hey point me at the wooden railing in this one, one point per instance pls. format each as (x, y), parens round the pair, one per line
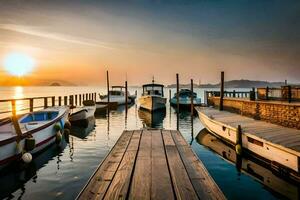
(43, 102)
(285, 93)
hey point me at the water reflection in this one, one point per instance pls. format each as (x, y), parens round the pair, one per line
(17, 175)
(152, 119)
(18, 94)
(250, 166)
(83, 131)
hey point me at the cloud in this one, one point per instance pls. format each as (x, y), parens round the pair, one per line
(29, 30)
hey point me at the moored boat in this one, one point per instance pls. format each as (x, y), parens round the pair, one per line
(257, 138)
(250, 166)
(185, 98)
(37, 130)
(152, 97)
(117, 94)
(82, 114)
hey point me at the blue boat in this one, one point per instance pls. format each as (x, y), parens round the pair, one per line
(185, 98)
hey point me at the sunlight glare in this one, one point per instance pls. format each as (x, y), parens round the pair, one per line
(18, 64)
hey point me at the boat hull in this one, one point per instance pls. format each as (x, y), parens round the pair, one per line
(83, 114)
(121, 100)
(279, 158)
(152, 103)
(44, 136)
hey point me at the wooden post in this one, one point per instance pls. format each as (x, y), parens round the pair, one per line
(59, 100)
(192, 97)
(80, 99)
(177, 91)
(239, 142)
(53, 101)
(289, 94)
(71, 100)
(126, 96)
(15, 121)
(65, 100)
(76, 100)
(95, 97)
(222, 91)
(86, 96)
(233, 94)
(107, 82)
(170, 95)
(267, 93)
(90, 96)
(45, 102)
(31, 105)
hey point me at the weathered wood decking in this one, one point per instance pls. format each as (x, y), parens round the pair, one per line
(151, 164)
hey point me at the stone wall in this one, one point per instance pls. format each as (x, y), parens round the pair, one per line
(280, 113)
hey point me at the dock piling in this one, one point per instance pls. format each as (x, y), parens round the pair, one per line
(107, 82)
(192, 97)
(126, 97)
(31, 105)
(222, 91)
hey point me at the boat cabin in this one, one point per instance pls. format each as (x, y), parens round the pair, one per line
(153, 89)
(117, 91)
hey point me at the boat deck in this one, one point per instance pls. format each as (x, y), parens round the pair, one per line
(151, 164)
(285, 137)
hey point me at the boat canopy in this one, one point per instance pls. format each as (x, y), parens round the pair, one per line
(153, 89)
(186, 93)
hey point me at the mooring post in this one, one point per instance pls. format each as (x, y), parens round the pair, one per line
(86, 96)
(31, 105)
(45, 102)
(80, 99)
(289, 94)
(222, 91)
(267, 93)
(239, 142)
(53, 100)
(65, 100)
(76, 99)
(170, 94)
(177, 91)
(192, 97)
(107, 82)
(59, 100)
(95, 96)
(15, 121)
(126, 97)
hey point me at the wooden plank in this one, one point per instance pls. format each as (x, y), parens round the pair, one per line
(101, 179)
(204, 185)
(161, 184)
(141, 181)
(181, 183)
(119, 186)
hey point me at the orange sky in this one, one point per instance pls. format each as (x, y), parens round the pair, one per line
(79, 41)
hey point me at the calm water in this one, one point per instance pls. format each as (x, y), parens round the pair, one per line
(61, 171)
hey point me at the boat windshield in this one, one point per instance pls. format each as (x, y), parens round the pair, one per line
(39, 116)
(186, 93)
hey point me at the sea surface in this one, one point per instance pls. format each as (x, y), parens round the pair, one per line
(60, 172)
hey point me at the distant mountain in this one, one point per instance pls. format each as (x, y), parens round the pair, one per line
(29, 81)
(235, 84)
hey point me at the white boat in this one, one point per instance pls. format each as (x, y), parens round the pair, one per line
(259, 171)
(281, 154)
(39, 126)
(117, 94)
(185, 99)
(83, 113)
(152, 97)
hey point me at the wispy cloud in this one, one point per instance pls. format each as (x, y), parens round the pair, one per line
(34, 31)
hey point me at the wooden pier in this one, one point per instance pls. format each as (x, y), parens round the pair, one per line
(151, 164)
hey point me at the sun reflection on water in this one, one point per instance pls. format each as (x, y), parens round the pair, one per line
(18, 94)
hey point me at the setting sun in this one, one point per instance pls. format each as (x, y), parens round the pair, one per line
(18, 64)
